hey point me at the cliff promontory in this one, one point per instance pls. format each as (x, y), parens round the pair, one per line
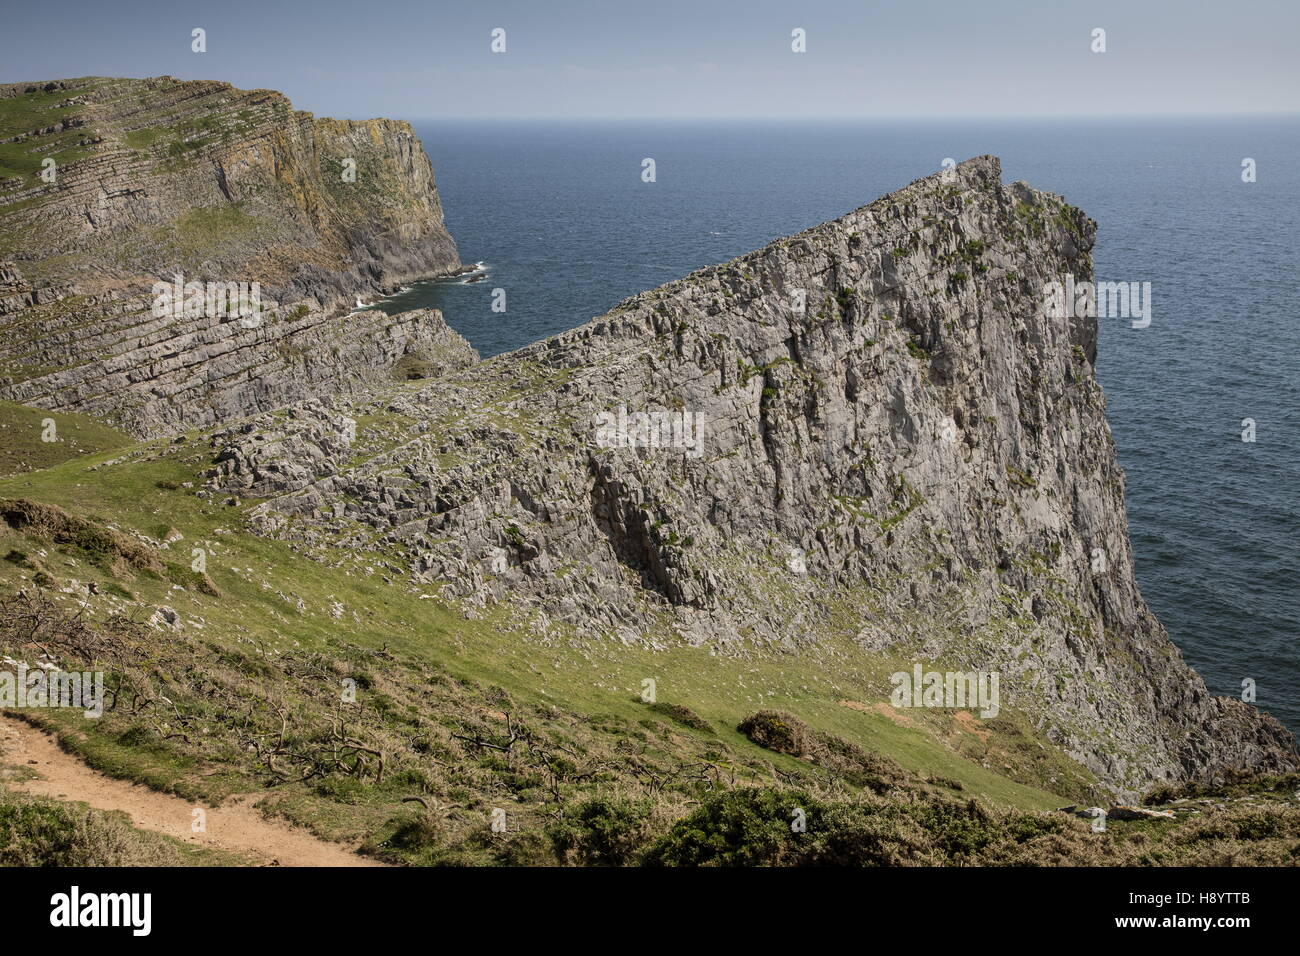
(112, 188)
(868, 430)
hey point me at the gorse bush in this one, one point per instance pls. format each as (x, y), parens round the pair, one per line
(787, 734)
(768, 827)
(1233, 783)
(749, 827)
(603, 831)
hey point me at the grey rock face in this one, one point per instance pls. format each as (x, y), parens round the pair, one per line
(219, 185)
(219, 372)
(895, 444)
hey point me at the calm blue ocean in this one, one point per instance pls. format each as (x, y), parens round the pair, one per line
(560, 216)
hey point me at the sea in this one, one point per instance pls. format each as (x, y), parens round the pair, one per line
(1207, 210)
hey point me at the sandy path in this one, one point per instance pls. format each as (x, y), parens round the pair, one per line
(237, 826)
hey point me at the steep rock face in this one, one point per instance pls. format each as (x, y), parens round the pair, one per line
(897, 444)
(157, 178)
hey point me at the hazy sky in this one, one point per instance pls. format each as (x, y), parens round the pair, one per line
(687, 58)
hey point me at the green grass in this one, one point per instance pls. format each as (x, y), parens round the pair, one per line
(204, 231)
(144, 138)
(77, 436)
(601, 680)
(20, 115)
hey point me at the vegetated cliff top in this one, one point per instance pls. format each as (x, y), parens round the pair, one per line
(108, 186)
(209, 160)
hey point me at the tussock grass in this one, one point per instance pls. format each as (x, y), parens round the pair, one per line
(36, 831)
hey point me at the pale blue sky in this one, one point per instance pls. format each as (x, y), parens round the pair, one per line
(689, 58)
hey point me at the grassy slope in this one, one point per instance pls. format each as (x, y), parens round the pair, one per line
(22, 447)
(600, 680)
(20, 115)
(583, 695)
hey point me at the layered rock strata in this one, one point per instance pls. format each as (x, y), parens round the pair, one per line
(868, 430)
(109, 187)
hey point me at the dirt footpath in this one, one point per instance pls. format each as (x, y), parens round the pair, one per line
(236, 827)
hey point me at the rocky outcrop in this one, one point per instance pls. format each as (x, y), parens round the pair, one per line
(878, 434)
(217, 373)
(154, 179)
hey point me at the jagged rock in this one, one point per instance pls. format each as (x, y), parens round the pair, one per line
(165, 616)
(933, 449)
(1086, 813)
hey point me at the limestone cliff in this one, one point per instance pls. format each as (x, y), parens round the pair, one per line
(895, 444)
(108, 186)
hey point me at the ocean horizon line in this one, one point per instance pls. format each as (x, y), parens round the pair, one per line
(853, 120)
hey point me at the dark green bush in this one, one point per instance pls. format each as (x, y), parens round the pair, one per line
(682, 715)
(602, 831)
(750, 827)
